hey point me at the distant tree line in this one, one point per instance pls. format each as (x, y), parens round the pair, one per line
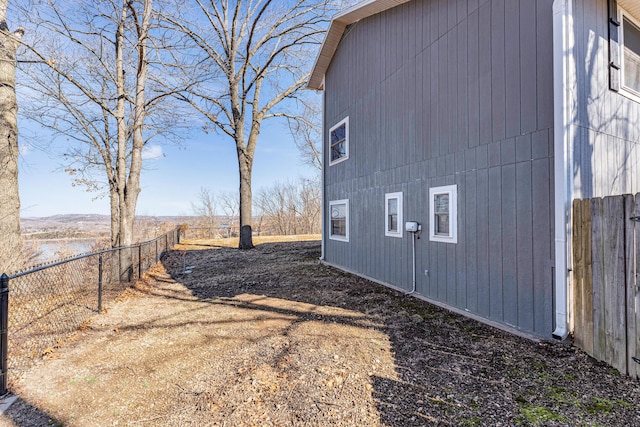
(287, 208)
(290, 208)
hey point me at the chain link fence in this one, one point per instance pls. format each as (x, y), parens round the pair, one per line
(210, 232)
(222, 232)
(47, 303)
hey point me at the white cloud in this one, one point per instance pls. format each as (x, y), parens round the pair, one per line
(152, 152)
(24, 148)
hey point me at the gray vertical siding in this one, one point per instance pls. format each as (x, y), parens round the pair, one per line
(451, 92)
(606, 126)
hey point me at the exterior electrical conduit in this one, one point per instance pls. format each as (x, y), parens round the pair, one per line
(414, 228)
(413, 248)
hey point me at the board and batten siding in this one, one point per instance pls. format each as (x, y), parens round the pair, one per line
(443, 92)
(606, 125)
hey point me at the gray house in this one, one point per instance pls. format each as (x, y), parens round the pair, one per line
(479, 120)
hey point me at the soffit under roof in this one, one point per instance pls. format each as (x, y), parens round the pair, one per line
(631, 6)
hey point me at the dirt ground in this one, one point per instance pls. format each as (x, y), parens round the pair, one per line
(270, 337)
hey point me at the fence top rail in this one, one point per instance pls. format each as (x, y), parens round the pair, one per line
(88, 254)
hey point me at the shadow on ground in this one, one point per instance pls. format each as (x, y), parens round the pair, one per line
(22, 413)
(449, 370)
(285, 340)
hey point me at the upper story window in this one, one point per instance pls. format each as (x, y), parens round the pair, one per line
(631, 54)
(624, 49)
(393, 214)
(339, 140)
(443, 214)
(339, 220)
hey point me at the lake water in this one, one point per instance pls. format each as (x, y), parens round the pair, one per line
(51, 250)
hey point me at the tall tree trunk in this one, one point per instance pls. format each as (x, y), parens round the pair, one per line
(124, 228)
(245, 163)
(121, 160)
(115, 223)
(133, 182)
(10, 241)
(245, 166)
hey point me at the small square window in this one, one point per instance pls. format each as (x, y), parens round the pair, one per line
(339, 220)
(393, 214)
(339, 140)
(443, 223)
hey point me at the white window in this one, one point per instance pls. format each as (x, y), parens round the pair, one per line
(339, 217)
(630, 54)
(339, 140)
(393, 214)
(443, 214)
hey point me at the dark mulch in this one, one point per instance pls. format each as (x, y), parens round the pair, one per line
(323, 347)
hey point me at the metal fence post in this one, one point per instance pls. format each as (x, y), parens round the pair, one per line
(100, 283)
(156, 250)
(119, 265)
(139, 261)
(4, 322)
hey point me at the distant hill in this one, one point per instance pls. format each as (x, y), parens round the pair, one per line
(77, 222)
(83, 225)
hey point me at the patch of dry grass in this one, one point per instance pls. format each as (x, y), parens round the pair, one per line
(232, 242)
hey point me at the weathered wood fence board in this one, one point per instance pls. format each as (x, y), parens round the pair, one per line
(632, 209)
(582, 275)
(605, 290)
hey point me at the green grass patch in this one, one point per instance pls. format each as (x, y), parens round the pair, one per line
(561, 395)
(606, 406)
(625, 404)
(471, 422)
(600, 406)
(539, 415)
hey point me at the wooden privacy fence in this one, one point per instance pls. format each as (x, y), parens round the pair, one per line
(606, 301)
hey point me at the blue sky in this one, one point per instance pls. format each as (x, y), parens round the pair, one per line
(172, 177)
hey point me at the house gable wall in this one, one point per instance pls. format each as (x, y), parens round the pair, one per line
(459, 93)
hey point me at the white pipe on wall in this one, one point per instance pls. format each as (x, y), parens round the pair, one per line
(413, 247)
(563, 76)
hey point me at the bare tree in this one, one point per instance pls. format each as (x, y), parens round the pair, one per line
(89, 77)
(310, 199)
(10, 241)
(277, 206)
(205, 209)
(306, 129)
(231, 209)
(253, 57)
(291, 208)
